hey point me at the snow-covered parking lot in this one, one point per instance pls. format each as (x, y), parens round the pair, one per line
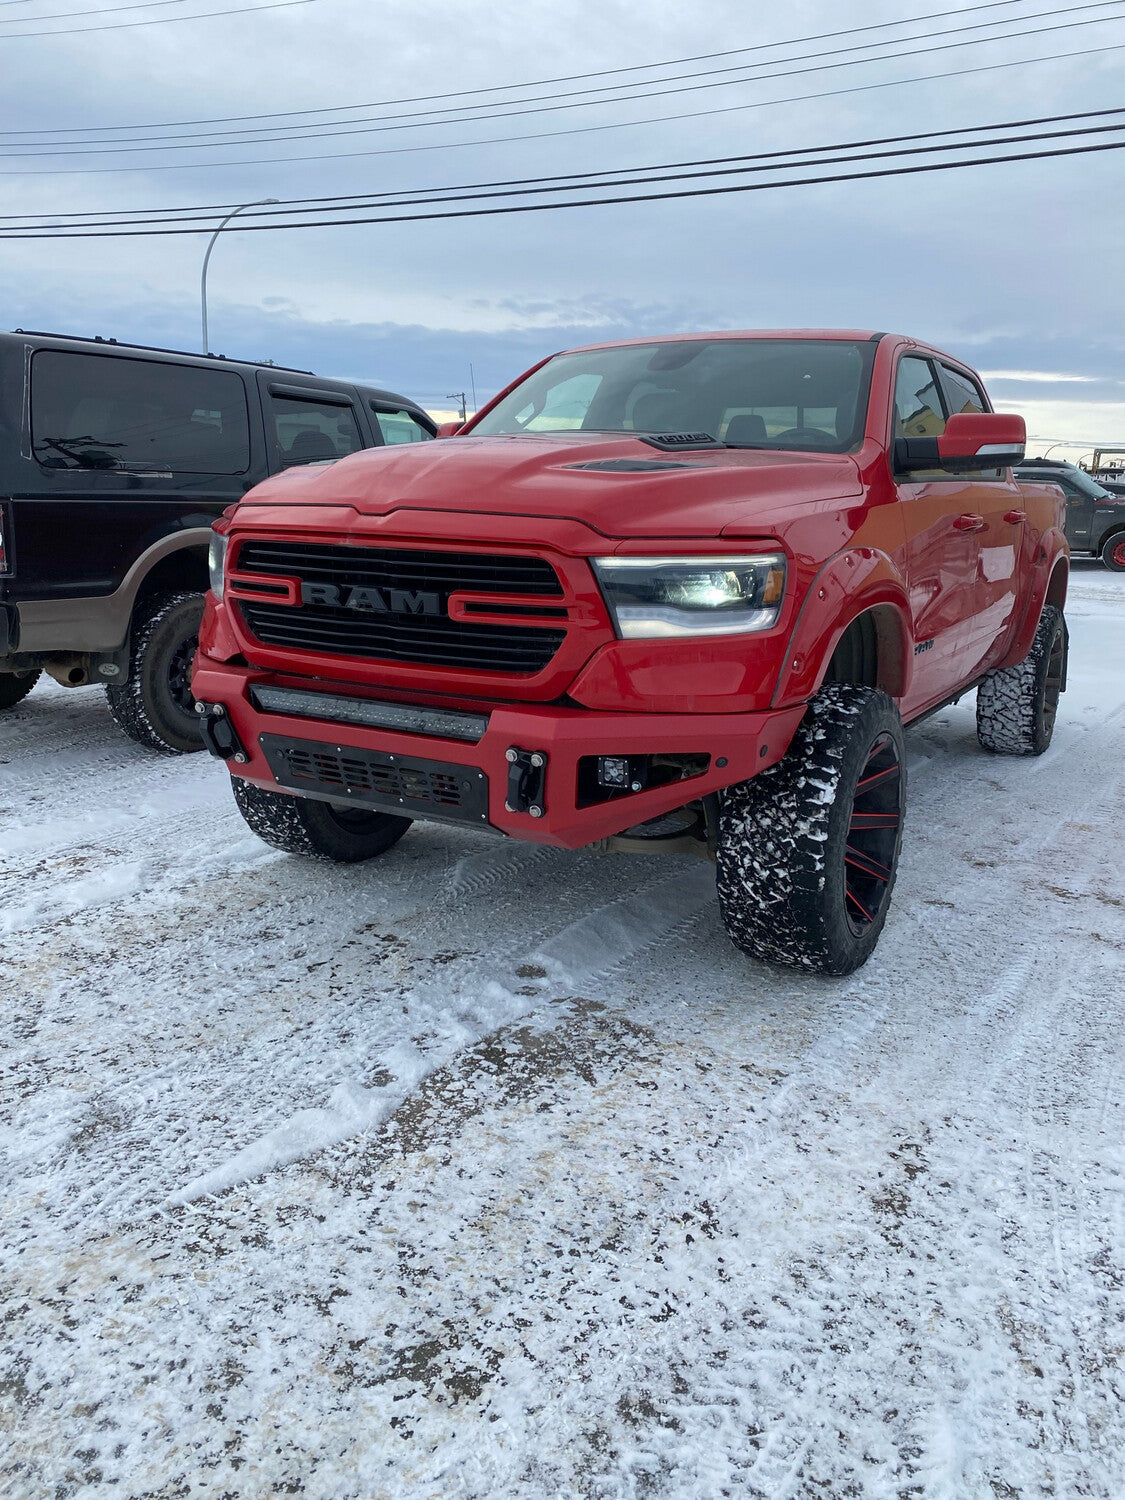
(490, 1171)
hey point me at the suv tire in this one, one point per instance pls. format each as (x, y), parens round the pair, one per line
(155, 706)
(808, 850)
(15, 686)
(1016, 706)
(1113, 552)
(299, 825)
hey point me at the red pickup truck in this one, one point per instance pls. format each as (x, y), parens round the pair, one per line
(668, 594)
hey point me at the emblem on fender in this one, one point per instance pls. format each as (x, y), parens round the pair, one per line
(372, 601)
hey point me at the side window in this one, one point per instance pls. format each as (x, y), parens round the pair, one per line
(919, 411)
(310, 432)
(99, 411)
(963, 394)
(400, 427)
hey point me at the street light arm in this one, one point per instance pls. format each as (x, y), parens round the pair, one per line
(260, 203)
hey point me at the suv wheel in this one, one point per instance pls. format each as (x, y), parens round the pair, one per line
(301, 826)
(155, 706)
(1113, 552)
(15, 686)
(1016, 706)
(808, 850)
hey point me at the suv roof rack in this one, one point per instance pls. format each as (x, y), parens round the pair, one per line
(86, 338)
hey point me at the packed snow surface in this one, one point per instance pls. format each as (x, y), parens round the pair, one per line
(490, 1171)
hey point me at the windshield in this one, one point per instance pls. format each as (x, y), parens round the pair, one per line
(788, 394)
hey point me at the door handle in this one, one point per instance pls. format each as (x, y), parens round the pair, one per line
(1014, 517)
(969, 523)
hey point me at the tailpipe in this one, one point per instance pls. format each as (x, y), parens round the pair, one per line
(69, 668)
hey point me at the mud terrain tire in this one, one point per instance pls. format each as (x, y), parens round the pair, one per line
(15, 686)
(1113, 552)
(298, 825)
(155, 706)
(1016, 706)
(808, 850)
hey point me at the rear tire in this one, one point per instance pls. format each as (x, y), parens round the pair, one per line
(808, 850)
(15, 686)
(1016, 706)
(1113, 552)
(299, 825)
(155, 706)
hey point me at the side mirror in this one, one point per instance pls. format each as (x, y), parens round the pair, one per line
(971, 442)
(448, 429)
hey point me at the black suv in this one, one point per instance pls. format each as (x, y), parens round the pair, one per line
(1095, 516)
(114, 461)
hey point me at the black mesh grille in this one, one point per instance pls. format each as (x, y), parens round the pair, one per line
(330, 770)
(434, 639)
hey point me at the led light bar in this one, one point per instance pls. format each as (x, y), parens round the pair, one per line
(406, 717)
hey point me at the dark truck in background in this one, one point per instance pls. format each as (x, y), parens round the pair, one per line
(114, 461)
(1095, 514)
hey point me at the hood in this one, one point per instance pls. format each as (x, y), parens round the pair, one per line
(614, 484)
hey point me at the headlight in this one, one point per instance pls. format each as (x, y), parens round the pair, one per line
(216, 561)
(659, 596)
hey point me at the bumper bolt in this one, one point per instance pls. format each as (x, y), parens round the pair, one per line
(536, 759)
(201, 708)
(511, 756)
(241, 759)
(535, 811)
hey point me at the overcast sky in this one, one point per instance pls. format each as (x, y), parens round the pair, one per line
(1016, 268)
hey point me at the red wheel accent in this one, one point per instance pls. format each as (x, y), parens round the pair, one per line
(873, 834)
(1119, 553)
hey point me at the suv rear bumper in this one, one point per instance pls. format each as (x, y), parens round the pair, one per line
(431, 776)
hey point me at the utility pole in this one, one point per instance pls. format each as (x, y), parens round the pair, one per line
(260, 203)
(459, 396)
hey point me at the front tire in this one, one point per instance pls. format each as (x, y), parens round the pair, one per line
(15, 686)
(1016, 706)
(299, 825)
(1113, 552)
(155, 706)
(808, 850)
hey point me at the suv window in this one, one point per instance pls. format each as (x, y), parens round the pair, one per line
(919, 411)
(91, 411)
(400, 427)
(313, 431)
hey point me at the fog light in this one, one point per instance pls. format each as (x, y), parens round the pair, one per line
(613, 771)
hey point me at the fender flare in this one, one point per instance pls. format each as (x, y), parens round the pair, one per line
(849, 584)
(1050, 574)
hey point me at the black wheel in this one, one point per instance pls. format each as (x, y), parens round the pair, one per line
(1113, 552)
(15, 686)
(301, 826)
(155, 706)
(1016, 706)
(808, 850)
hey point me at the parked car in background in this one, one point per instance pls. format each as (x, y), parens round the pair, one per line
(1095, 512)
(114, 461)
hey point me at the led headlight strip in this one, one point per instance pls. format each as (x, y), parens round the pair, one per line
(675, 596)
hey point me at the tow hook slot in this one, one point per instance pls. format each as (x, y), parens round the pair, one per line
(219, 734)
(527, 776)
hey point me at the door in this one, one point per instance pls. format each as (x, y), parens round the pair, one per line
(941, 554)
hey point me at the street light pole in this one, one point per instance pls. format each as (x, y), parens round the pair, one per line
(260, 203)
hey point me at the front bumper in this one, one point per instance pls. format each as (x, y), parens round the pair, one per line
(404, 772)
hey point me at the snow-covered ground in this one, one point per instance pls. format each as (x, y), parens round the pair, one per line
(491, 1171)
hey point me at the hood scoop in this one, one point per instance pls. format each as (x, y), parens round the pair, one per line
(630, 465)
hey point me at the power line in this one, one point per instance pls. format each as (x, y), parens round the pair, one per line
(209, 209)
(65, 15)
(534, 83)
(542, 135)
(525, 208)
(767, 161)
(542, 107)
(242, 10)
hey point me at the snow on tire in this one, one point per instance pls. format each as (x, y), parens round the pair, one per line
(15, 686)
(299, 825)
(154, 706)
(808, 850)
(1016, 706)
